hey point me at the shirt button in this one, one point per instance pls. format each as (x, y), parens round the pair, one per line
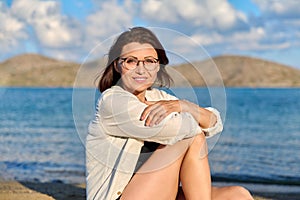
(119, 193)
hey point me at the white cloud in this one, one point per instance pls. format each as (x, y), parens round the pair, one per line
(254, 34)
(208, 39)
(216, 24)
(52, 29)
(281, 23)
(277, 8)
(218, 14)
(105, 24)
(222, 14)
(158, 11)
(12, 31)
(243, 40)
(110, 19)
(46, 28)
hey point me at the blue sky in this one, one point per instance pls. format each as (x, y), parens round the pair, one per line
(70, 29)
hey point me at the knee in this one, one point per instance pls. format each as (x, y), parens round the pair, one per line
(240, 193)
(198, 145)
(198, 141)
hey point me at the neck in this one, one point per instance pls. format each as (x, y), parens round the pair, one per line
(141, 96)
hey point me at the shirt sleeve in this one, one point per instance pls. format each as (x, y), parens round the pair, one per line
(218, 126)
(119, 114)
(209, 132)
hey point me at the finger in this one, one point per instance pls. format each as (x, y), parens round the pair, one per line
(146, 112)
(149, 103)
(156, 116)
(152, 115)
(154, 110)
(159, 119)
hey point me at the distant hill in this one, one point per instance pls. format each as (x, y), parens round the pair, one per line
(238, 71)
(233, 71)
(37, 70)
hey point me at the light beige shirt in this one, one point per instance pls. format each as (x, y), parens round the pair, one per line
(116, 136)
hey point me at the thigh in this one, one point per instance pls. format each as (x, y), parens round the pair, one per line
(231, 192)
(158, 177)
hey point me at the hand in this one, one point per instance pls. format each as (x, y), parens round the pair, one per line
(204, 117)
(157, 111)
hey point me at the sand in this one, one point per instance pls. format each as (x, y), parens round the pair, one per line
(13, 190)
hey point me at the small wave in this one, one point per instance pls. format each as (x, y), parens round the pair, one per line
(278, 180)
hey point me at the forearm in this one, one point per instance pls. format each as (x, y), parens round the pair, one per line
(207, 119)
(204, 117)
(120, 115)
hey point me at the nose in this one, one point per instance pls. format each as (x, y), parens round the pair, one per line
(140, 69)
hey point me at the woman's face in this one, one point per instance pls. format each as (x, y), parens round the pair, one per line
(138, 78)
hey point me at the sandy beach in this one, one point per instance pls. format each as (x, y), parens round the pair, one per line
(13, 190)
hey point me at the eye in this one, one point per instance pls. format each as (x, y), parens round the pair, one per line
(131, 60)
(150, 60)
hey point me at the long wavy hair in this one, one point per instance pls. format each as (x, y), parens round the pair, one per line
(110, 76)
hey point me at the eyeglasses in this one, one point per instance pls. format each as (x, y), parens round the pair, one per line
(131, 63)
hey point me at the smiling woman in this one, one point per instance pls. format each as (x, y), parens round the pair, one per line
(143, 142)
(138, 75)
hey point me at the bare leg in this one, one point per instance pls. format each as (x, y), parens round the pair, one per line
(224, 193)
(231, 193)
(195, 172)
(158, 178)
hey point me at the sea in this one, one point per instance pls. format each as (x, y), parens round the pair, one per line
(43, 130)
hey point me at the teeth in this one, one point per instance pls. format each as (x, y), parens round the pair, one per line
(140, 79)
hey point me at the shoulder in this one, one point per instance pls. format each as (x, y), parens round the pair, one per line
(116, 97)
(116, 92)
(155, 94)
(113, 90)
(116, 100)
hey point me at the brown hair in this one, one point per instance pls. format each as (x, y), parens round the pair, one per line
(110, 76)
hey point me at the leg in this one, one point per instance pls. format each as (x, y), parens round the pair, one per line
(230, 193)
(159, 175)
(195, 172)
(224, 193)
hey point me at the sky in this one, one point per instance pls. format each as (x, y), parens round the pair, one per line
(71, 29)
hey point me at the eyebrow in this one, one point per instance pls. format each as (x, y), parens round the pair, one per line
(137, 58)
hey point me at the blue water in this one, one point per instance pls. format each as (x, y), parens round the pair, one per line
(39, 140)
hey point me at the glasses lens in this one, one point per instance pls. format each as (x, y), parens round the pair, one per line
(150, 63)
(131, 63)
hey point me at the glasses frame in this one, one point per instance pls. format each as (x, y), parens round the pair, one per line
(138, 62)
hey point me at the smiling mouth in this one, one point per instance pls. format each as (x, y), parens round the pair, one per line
(140, 79)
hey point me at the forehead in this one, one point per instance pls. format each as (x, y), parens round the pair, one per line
(138, 49)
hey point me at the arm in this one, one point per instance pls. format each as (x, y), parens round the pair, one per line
(120, 115)
(204, 117)
(208, 118)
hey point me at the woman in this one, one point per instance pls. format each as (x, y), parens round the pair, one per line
(143, 142)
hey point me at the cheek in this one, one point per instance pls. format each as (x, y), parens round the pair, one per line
(153, 78)
(124, 72)
(156, 73)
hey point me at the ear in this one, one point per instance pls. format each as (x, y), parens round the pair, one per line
(157, 69)
(117, 66)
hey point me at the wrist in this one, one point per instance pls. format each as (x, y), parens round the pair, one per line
(207, 118)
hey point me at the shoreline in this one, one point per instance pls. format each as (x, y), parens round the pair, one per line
(263, 191)
(14, 190)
